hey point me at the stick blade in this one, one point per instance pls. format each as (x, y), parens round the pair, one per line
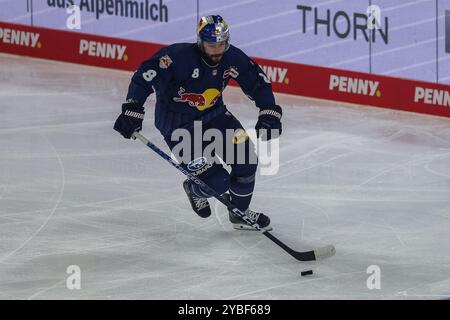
(325, 252)
(313, 255)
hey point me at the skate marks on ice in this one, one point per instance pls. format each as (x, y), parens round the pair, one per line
(373, 182)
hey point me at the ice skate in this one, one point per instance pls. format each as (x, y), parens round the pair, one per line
(199, 205)
(238, 223)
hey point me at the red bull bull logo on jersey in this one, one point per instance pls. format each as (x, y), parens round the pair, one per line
(201, 101)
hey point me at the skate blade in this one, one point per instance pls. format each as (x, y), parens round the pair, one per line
(246, 227)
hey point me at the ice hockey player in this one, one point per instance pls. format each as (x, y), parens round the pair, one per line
(188, 80)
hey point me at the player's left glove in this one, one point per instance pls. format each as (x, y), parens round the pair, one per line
(269, 119)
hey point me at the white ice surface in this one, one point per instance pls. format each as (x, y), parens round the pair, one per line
(373, 182)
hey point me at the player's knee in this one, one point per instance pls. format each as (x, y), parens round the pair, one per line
(219, 180)
(244, 173)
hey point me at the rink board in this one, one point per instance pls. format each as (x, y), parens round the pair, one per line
(292, 78)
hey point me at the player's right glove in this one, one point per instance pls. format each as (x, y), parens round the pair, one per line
(269, 119)
(130, 120)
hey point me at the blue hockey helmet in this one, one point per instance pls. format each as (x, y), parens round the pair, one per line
(213, 28)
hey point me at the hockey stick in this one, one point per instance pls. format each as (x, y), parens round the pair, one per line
(312, 255)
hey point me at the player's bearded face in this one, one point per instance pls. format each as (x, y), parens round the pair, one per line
(214, 51)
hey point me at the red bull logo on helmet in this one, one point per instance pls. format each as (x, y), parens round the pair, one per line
(201, 101)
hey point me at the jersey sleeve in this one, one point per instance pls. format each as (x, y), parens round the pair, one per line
(150, 76)
(254, 82)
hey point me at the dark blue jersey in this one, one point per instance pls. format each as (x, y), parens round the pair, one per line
(187, 88)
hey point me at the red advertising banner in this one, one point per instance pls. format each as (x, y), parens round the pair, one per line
(358, 87)
(291, 78)
(74, 47)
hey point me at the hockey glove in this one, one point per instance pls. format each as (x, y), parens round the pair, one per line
(269, 119)
(130, 120)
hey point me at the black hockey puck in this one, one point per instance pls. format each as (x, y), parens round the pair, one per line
(307, 272)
